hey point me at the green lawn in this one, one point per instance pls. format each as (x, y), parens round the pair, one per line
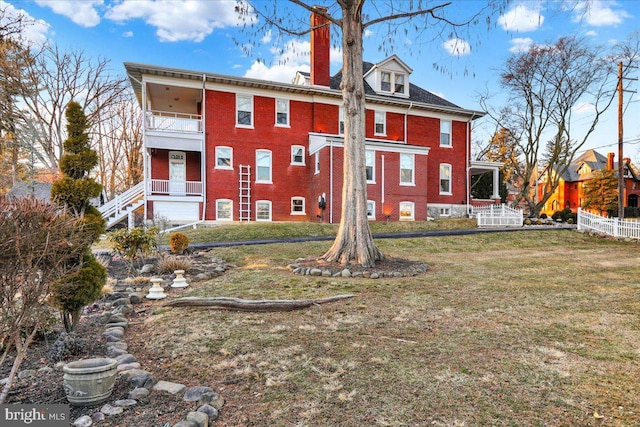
(507, 329)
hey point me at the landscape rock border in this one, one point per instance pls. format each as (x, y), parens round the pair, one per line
(388, 268)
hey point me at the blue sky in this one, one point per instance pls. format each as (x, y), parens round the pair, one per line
(205, 36)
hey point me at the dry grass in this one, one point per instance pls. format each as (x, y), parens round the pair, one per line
(170, 263)
(515, 329)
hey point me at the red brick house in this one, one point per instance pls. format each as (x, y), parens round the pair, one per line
(569, 193)
(225, 148)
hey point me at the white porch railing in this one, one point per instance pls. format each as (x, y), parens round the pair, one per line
(610, 226)
(167, 121)
(177, 188)
(498, 216)
(122, 205)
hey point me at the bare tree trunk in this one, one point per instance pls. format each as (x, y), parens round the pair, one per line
(21, 353)
(354, 241)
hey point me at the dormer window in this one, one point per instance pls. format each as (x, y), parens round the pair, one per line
(385, 82)
(393, 82)
(399, 83)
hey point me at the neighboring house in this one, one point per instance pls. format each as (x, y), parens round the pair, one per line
(224, 148)
(569, 193)
(35, 189)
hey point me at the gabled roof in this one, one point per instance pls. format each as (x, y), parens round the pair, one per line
(595, 161)
(392, 58)
(416, 93)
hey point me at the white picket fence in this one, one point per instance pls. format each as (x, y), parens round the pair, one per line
(609, 226)
(498, 216)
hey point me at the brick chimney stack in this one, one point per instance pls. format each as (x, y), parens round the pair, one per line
(320, 46)
(610, 157)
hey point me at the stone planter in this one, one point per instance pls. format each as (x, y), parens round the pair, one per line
(89, 382)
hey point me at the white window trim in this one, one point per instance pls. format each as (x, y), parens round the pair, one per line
(450, 192)
(238, 125)
(270, 180)
(283, 125)
(230, 158)
(304, 206)
(270, 210)
(341, 120)
(413, 211)
(302, 163)
(371, 218)
(413, 171)
(217, 210)
(449, 133)
(392, 82)
(373, 167)
(384, 123)
(445, 211)
(316, 163)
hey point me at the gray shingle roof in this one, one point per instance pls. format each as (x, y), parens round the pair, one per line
(39, 190)
(416, 93)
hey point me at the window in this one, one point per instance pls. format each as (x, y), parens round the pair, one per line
(282, 112)
(406, 169)
(317, 163)
(445, 178)
(385, 81)
(263, 166)
(224, 158)
(297, 206)
(370, 166)
(224, 210)
(380, 123)
(297, 155)
(244, 110)
(406, 211)
(393, 82)
(263, 210)
(341, 121)
(399, 83)
(445, 133)
(445, 211)
(371, 209)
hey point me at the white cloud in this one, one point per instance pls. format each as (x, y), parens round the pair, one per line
(521, 44)
(266, 38)
(521, 19)
(36, 31)
(178, 20)
(584, 108)
(600, 13)
(83, 13)
(367, 33)
(457, 47)
(127, 34)
(591, 33)
(294, 56)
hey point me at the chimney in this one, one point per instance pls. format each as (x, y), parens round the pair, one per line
(610, 157)
(320, 46)
(627, 161)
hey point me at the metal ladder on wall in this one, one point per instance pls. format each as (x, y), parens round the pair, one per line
(245, 193)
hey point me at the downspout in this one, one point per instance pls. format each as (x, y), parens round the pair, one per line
(468, 166)
(382, 184)
(331, 181)
(405, 121)
(203, 156)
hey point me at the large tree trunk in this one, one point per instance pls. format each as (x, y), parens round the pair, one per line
(354, 242)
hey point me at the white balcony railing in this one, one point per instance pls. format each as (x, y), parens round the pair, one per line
(174, 122)
(175, 188)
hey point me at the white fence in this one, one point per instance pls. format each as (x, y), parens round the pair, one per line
(609, 226)
(498, 216)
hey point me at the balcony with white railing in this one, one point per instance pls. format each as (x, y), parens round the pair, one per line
(175, 188)
(174, 131)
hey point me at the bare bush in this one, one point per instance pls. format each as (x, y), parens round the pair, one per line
(38, 243)
(171, 263)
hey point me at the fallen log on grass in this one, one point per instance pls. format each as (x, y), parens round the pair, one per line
(226, 303)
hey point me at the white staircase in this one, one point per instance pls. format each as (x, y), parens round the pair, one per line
(245, 193)
(123, 205)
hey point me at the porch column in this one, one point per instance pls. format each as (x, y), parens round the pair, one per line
(496, 184)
